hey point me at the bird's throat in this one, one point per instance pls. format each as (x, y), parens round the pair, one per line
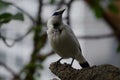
(56, 27)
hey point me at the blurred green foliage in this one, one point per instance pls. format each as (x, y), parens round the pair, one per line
(99, 10)
(7, 17)
(4, 5)
(33, 65)
(112, 7)
(118, 49)
(52, 1)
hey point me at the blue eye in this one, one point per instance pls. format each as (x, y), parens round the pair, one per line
(56, 13)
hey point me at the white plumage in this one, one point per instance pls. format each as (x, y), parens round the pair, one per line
(63, 40)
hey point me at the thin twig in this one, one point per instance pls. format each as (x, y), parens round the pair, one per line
(6, 43)
(86, 37)
(68, 11)
(43, 57)
(108, 18)
(59, 5)
(39, 11)
(16, 40)
(26, 13)
(7, 68)
(96, 37)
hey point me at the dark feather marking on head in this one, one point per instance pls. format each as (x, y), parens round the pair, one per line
(56, 13)
(56, 26)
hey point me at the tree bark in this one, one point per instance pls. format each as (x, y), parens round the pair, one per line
(101, 72)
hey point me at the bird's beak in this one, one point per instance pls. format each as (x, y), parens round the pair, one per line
(62, 10)
(59, 12)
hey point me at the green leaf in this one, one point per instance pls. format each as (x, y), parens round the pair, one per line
(113, 7)
(4, 5)
(18, 16)
(98, 11)
(7, 17)
(34, 65)
(118, 49)
(52, 1)
(39, 66)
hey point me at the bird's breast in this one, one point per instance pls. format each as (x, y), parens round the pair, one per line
(62, 44)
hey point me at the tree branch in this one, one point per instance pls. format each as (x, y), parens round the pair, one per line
(101, 72)
(5, 42)
(43, 57)
(59, 5)
(96, 37)
(32, 19)
(16, 40)
(112, 19)
(39, 14)
(7, 68)
(39, 41)
(68, 11)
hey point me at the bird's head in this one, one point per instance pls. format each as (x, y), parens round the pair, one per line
(57, 15)
(56, 18)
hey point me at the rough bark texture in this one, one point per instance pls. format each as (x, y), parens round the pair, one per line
(101, 72)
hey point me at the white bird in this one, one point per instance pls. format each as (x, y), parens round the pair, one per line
(63, 40)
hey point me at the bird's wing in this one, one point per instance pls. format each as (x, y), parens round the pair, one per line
(72, 36)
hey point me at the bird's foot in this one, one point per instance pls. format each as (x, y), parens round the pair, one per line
(72, 62)
(58, 62)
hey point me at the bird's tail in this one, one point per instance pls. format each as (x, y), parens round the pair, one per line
(84, 65)
(82, 61)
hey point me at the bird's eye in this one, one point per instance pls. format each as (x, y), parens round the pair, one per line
(56, 13)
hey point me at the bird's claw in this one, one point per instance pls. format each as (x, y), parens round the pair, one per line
(58, 62)
(72, 62)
